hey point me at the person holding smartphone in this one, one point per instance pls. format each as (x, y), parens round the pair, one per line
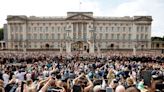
(50, 85)
(78, 84)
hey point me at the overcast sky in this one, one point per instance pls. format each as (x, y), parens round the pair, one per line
(154, 8)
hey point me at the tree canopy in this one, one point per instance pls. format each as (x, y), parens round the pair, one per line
(1, 33)
(157, 38)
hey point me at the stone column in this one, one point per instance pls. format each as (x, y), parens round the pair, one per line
(91, 47)
(82, 30)
(8, 37)
(61, 48)
(24, 36)
(77, 35)
(149, 36)
(134, 50)
(68, 47)
(98, 48)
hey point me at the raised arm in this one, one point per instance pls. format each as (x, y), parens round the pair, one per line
(75, 80)
(45, 87)
(90, 85)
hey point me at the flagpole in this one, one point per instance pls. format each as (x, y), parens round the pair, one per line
(80, 5)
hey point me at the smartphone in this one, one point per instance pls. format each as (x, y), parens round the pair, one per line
(108, 89)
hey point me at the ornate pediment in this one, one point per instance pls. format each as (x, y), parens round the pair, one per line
(143, 18)
(79, 17)
(16, 18)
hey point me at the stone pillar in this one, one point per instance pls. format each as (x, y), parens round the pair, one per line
(68, 47)
(61, 48)
(91, 47)
(24, 36)
(82, 30)
(98, 48)
(149, 37)
(8, 37)
(77, 34)
(134, 50)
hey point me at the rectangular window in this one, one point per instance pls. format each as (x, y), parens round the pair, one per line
(129, 36)
(112, 35)
(74, 36)
(16, 28)
(52, 28)
(137, 29)
(58, 36)
(58, 29)
(41, 36)
(35, 36)
(20, 29)
(123, 29)
(65, 35)
(28, 36)
(112, 28)
(163, 45)
(64, 28)
(130, 29)
(137, 37)
(100, 35)
(16, 36)
(46, 28)
(118, 28)
(106, 29)
(146, 36)
(34, 28)
(146, 29)
(124, 36)
(106, 36)
(46, 36)
(142, 29)
(95, 36)
(21, 37)
(142, 36)
(41, 29)
(12, 36)
(11, 28)
(118, 36)
(100, 28)
(53, 36)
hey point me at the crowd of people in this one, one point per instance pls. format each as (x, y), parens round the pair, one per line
(54, 72)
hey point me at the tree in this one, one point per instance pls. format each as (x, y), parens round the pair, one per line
(156, 39)
(1, 33)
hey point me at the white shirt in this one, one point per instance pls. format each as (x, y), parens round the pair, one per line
(20, 75)
(6, 79)
(45, 73)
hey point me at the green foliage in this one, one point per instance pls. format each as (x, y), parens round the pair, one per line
(157, 38)
(1, 33)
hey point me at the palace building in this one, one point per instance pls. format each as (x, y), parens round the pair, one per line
(78, 31)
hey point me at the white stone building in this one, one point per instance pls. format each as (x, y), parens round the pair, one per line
(78, 31)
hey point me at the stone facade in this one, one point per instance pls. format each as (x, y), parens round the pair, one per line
(78, 31)
(157, 45)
